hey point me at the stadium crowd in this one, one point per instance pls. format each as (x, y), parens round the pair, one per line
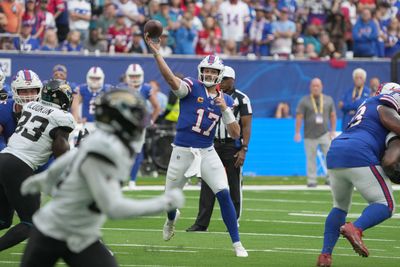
(300, 29)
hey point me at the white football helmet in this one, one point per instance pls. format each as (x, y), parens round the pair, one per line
(25, 80)
(134, 75)
(387, 88)
(95, 78)
(211, 62)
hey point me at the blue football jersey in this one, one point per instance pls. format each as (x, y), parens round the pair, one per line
(362, 143)
(198, 116)
(145, 89)
(88, 98)
(7, 118)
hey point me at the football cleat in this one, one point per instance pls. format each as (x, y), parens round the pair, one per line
(354, 236)
(324, 260)
(169, 227)
(240, 251)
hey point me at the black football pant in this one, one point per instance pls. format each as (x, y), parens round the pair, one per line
(44, 251)
(226, 153)
(13, 172)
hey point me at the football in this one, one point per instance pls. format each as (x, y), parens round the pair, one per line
(154, 28)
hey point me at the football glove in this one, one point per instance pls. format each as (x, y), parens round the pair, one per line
(174, 199)
(81, 135)
(36, 184)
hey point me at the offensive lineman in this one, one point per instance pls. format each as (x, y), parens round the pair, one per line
(201, 106)
(84, 97)
(354, 160)
(42, 130)
(86, 188)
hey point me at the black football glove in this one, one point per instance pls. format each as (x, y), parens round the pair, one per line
(81, 135)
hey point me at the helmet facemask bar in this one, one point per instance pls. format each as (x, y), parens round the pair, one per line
(210, 62)
(22, 98)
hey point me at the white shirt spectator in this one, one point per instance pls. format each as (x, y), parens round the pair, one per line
(232, 18)
(82, 8)
(129, 8)
(352, 10)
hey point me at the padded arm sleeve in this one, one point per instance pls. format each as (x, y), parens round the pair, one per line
(107, 193)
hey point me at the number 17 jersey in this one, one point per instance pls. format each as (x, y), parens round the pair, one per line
(33, 137)
(362, 143)
(198, 116)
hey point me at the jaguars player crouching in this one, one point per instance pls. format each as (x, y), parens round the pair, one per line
(86, 189)
(41, 131)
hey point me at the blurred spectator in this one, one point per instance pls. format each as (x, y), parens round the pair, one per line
(283, 111)
(49, 23)
(25, 41)
(176, 8)
(130, 10)
(230, 49)
(3, 21)
(311, 37)
(137, 45)
(60, 72)
(317, 11)
(300, 49)
(233, 16)
(328, 49)
(119, 34)
(209, 38)
(165, 50)
(259, 33)
(6, 43)
(80, 13)
(353, 98)
(192, 8)
(50, 41)
(317, 110)
(106, 19)
(154, 8)
(169, 20)
(73, 42)
(349, 9)
(365, 35)
(392, 43)
(35, 17)
(13, 12)
(59, 10)
(367, 4)
(336, 27)
(143, 12)
(93, 43)
(310, 51)
(291, 6)
(283, 31)
(374, 84)
(186, 35)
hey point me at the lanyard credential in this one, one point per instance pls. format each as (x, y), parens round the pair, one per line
(321, 104)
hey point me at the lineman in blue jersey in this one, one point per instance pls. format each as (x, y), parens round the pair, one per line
(134, 78)
(201, 106)
(83, 104)
(354, 160)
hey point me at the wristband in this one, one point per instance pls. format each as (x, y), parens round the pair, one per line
(227, 116)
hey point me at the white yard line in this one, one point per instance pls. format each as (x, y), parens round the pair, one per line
(247, 188)
(241, 233)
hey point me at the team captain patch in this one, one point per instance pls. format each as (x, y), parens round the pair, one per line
(200, 99)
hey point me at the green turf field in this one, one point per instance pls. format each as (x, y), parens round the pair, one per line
(278, 228)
